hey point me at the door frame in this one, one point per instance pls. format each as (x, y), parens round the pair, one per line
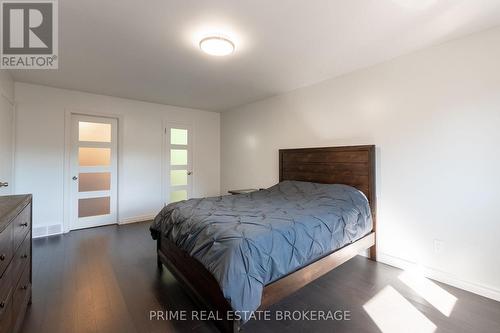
(68, 114)
(165, 168)
(13, 104)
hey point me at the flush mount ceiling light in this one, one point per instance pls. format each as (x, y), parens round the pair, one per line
(217, 46)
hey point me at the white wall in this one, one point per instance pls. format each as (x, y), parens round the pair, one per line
(435, 118)
(40, 149)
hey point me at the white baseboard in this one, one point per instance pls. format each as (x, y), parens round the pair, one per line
(135, 219)
(447, 278)
(56, 229)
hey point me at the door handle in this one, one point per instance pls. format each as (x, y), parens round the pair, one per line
(4, 184)
(190, 173)
(74, 178)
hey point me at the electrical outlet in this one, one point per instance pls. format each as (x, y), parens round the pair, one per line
(438, 246)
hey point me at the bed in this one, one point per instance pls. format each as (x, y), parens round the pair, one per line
(240, 253)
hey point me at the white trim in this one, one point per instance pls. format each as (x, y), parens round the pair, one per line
(444, 277)
(68, 112)
(128, 220)
(66, 172)
(12, 106)
(14, 147)
(135, 219)
(163, 176)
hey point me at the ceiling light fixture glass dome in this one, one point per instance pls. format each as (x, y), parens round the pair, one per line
(217, 46)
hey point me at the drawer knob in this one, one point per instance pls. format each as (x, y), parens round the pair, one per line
(24, 256)
(2, 305)
(2, 257)
(25, 224)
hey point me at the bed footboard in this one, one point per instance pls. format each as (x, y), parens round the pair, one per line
(205, 291)
(199, 282)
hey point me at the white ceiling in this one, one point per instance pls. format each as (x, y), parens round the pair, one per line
(147, 50)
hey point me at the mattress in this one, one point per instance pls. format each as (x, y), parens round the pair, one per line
(247, 241)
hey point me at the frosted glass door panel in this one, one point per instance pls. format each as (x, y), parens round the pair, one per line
(93, 207)
(94, 132)
(178, 195)
(178, 177)
(94, 156)
(94, 181)
(178, 136)
(178, 157)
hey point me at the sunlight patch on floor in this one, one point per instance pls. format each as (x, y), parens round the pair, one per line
(394, 314)
(442, 300)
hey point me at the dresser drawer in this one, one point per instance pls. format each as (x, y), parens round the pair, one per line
(6, 318)
(6, 249)
(21, 225)
(6, 287)
(21, 296)
(21, 257)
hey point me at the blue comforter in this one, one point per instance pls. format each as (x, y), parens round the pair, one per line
(249, 240)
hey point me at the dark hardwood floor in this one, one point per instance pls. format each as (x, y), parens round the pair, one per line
(105, 280)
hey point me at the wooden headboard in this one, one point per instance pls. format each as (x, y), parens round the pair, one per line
(350, 165)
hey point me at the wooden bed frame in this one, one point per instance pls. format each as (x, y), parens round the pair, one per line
(351, 165)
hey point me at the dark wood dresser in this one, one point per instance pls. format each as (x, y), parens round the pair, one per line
(15, 261)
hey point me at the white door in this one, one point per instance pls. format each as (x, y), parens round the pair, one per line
(6, 151)
(179, 162)
(93, 171)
